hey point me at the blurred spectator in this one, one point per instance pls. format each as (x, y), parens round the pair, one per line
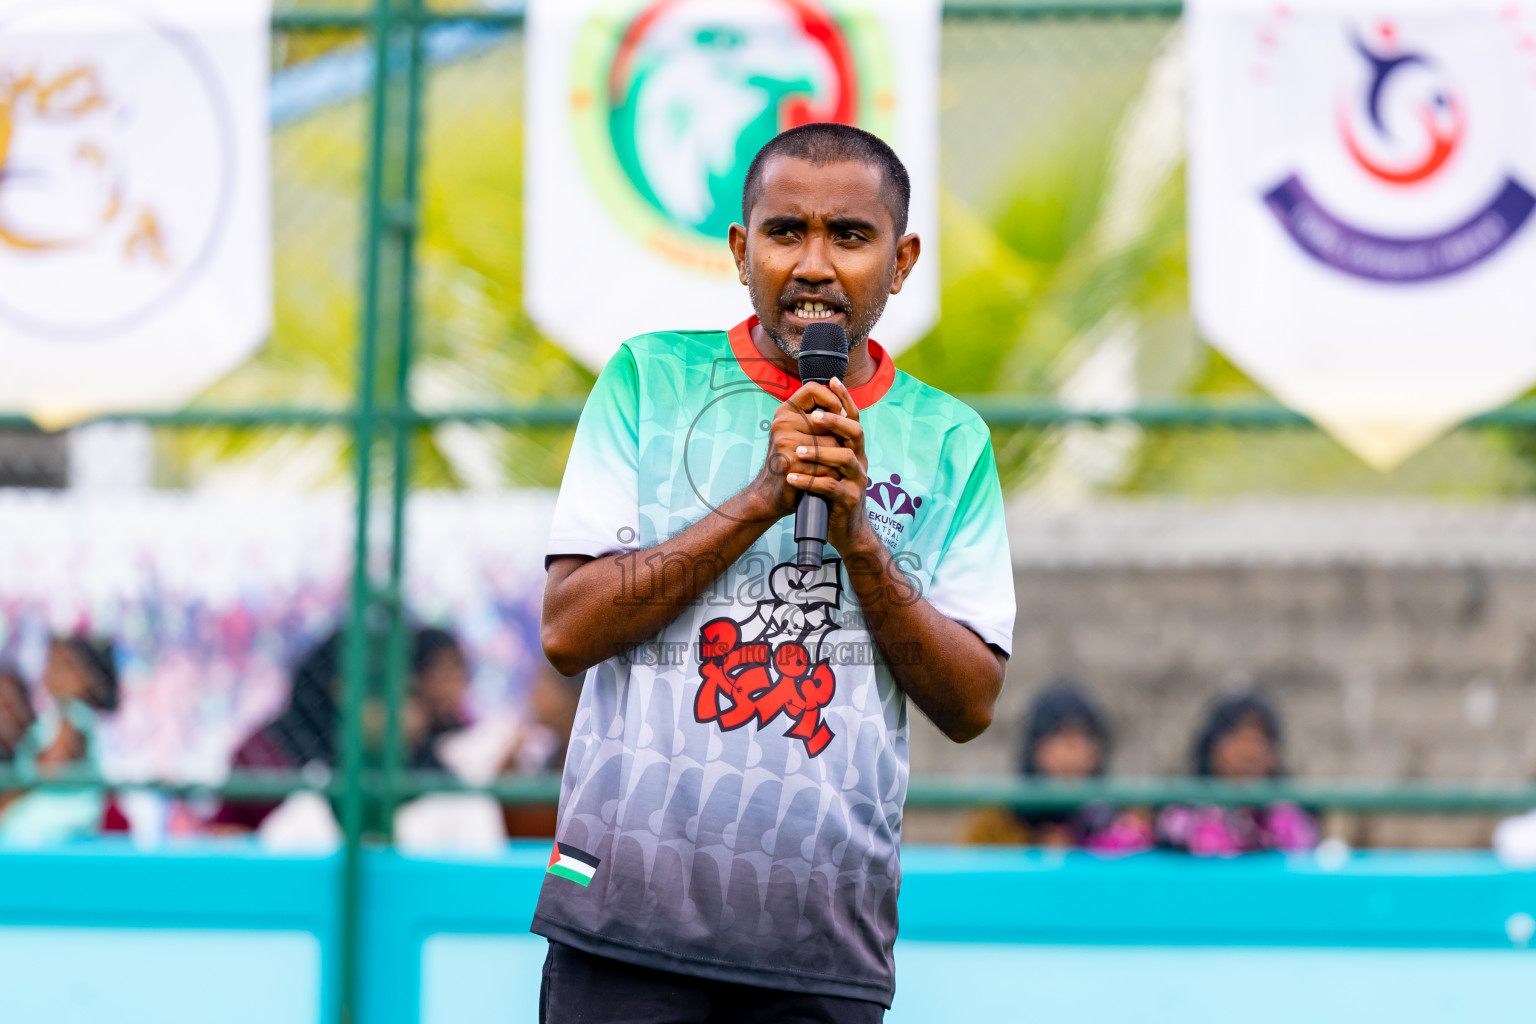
(439, 684)
(527, 741)
(1240, 742)
(540, 747)
(80, 678)
(16, 717)
(303, 734)
(1065, 739)
(534, 741)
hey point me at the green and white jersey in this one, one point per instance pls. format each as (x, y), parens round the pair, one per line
(735, 785)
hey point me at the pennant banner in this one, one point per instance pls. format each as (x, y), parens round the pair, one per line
(642, 116)
(134, 224)
(1362, 180)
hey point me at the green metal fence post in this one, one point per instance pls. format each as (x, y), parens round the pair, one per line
(362, 595)
(404, 223)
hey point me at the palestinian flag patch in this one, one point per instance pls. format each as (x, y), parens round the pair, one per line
(568, 862)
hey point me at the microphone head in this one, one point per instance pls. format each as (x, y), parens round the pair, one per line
(823, 353)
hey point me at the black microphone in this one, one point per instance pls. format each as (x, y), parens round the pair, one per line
(823, 355)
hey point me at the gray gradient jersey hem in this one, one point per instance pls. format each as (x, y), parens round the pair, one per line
(713, 970)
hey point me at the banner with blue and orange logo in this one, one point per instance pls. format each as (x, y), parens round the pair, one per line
(1362, 179)
(642, 117)
(135, 250)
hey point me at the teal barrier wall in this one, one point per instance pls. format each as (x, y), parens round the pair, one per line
(99, 932)
(218, 931)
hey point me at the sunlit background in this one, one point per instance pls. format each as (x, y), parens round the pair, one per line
(1268, 704)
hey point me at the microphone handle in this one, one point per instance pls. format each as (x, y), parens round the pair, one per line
(810, 530)
(811, 511)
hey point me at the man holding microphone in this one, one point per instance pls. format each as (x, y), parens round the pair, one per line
(730, 814)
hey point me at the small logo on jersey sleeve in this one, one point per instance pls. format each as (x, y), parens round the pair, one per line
(770, 664)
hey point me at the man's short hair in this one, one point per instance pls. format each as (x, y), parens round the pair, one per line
(825, 143)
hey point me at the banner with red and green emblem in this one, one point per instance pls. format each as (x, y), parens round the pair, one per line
(642, 118)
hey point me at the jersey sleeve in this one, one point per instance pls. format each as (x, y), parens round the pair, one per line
(973, 581)
(598, 510)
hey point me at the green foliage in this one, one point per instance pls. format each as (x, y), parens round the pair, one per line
(293, 48)
(477, 347)
(1008, 296)
(1027, 284)
(310, 358)
(474, 345)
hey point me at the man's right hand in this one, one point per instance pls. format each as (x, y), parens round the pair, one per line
(595, 608)
(772, 495)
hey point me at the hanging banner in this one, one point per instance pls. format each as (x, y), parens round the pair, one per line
(135, 259)
(642, 117)
(1362, 180)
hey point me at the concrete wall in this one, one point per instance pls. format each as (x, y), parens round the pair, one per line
(1398, 642)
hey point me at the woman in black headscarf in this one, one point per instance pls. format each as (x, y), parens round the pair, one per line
(1064, 735)
(435, 706)
(1066, 739)
(1241, 741)
(17, 743)
(305, 732)
(16, 712)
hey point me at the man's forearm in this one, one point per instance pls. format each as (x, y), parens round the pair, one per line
(597, 608)
(948, 671)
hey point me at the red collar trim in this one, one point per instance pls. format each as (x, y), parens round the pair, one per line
(781, 385)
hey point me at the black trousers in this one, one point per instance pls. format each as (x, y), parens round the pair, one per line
(580, 988)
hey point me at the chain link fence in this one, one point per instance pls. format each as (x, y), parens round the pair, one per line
(371, 457)
(1065, 322)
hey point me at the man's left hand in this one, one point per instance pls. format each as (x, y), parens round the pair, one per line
(842, 471)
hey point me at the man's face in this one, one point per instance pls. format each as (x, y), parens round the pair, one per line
(821, 248)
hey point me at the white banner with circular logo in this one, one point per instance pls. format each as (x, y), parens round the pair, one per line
(1362, 179)
(642, 116)
(135, 261)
